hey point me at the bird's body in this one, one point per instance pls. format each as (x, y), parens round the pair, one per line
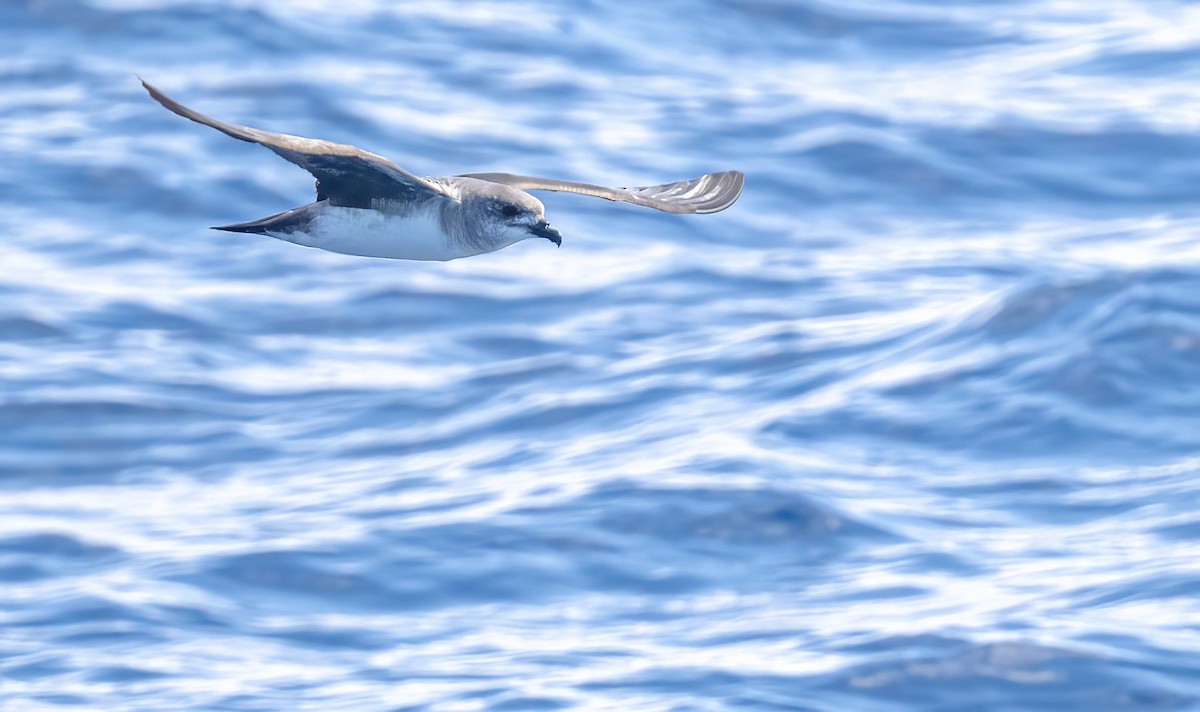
(367, 205)
(414, 235)
(437, 227)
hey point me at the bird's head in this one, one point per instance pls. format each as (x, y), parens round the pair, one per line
(507, 215)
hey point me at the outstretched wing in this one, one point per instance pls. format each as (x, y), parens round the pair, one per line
(346, 176)
(707, 194)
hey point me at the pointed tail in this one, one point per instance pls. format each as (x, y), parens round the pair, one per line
(296, 219)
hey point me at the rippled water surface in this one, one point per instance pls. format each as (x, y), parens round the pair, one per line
(914, 425)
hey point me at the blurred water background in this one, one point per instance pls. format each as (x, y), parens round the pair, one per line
(912, 426)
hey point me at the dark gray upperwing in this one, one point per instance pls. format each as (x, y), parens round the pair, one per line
(707, 194)
(346, 176)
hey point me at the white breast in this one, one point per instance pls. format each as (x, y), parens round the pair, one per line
(373, 233)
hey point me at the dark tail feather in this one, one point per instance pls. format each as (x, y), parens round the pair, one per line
(285, 222)
(251, 227)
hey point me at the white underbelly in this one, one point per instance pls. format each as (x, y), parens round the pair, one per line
(372, 233)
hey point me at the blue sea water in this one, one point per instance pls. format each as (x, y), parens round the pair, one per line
(913, 426)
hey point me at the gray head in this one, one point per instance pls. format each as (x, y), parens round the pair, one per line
(495, 216)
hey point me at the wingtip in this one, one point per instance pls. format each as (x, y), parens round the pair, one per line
(729, 186)
(154, 93)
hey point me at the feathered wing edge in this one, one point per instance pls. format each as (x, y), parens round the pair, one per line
(710, 193)
(346, 175)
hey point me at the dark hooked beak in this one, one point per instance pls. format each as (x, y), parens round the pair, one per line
(543, 229)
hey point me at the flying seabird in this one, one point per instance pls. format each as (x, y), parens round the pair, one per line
(367, 205)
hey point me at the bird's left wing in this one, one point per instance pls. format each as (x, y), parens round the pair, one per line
(346, 176)
(709, 193)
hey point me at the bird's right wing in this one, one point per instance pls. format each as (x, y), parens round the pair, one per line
(707, 194)
(346, 176)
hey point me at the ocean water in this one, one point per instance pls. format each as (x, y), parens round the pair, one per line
(913, 426)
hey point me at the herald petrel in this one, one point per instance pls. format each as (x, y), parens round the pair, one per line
(367, 205)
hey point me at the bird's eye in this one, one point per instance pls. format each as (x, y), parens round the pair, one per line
(510, 210)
